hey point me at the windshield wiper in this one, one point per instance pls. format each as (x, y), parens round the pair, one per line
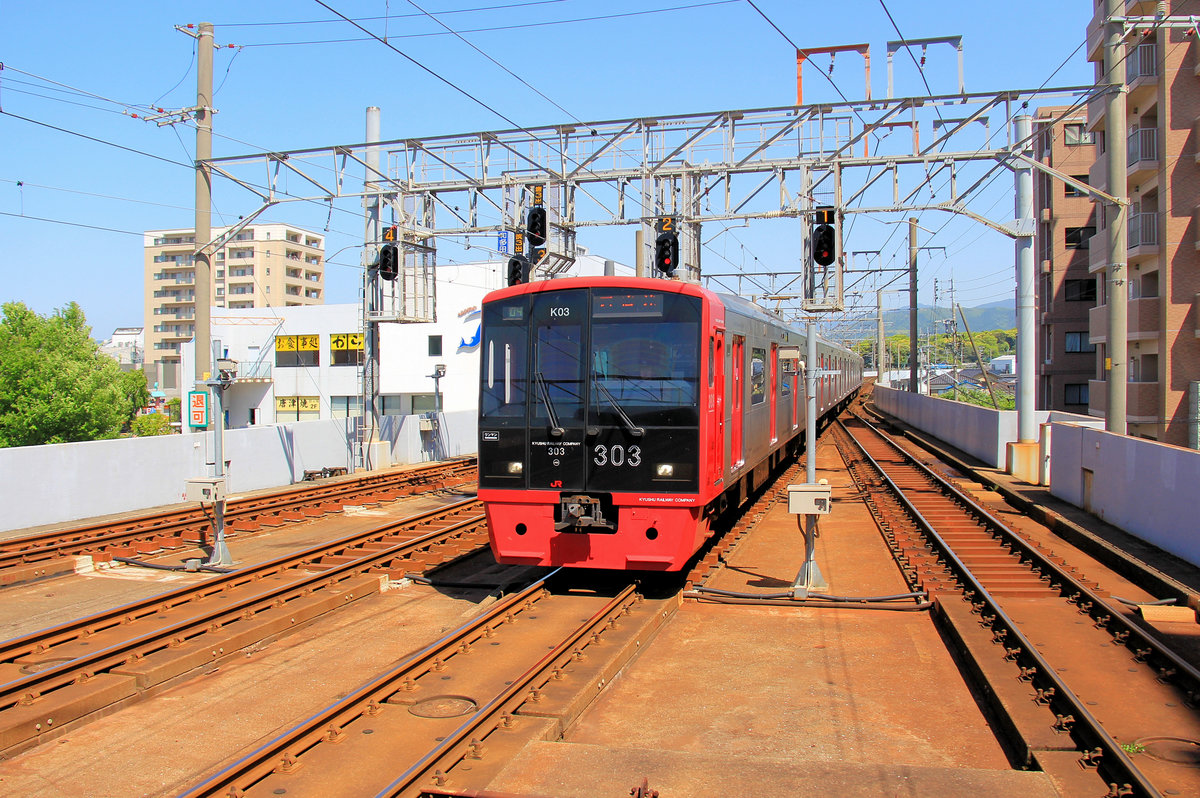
(544, 393)
(634, 430)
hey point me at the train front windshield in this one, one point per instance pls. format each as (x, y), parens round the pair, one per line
(637, 359)
(645, 361)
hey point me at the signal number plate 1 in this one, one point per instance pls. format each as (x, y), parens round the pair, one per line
(617, 455)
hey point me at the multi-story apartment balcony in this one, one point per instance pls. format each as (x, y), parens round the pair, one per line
(1141, 75)
(175, 297)
(1142, 155)
(1141, 400)
(1098, 324)
(181, 313)
(176, 279)
(1098, 252)
(1143, 320)
(1095, 36)
(1143, 237)
(1097, 109)
(1098, 173)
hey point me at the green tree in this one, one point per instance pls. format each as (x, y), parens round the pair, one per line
(151, 424)
(972, 396)
(55, 386)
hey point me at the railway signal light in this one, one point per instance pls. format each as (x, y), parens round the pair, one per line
(518, 270)
(823, 244)
(666, 252)
(389, 261)
(535, 226)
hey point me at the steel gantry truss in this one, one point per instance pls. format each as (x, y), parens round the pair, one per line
(727, 166)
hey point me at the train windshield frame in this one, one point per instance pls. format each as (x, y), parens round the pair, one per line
(599, 356)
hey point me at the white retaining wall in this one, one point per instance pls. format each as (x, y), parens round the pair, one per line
(980, 431)
(1143, 487)
(71, 481)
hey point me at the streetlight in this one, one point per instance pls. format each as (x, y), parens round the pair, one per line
(439, 371)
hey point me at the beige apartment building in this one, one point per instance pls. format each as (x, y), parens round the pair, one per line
(1066, 291)
(1163, 181)
(263, 265)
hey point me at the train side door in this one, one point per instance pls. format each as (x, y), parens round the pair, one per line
(738, 363)
(773, 400)
(716, 371)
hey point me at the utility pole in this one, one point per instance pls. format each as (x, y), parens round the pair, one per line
(881, 348)
(1027, 427)
(913, 384)
(203, 259)
(1116, 214)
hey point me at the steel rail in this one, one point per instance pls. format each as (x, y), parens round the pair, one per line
(31, 549)
(283, 752)
(61, 674)
(1087, 731)
(1141, 643)
(458, 744)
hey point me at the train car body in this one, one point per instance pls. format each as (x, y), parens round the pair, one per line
(617, 416)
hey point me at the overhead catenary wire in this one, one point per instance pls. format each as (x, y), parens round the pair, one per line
(279, 23)
(490, 28)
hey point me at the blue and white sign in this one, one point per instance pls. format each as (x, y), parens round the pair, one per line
(469, 342)
(502, 242)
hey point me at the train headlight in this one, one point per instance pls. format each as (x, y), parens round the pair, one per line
(664, 470)
(516, 468)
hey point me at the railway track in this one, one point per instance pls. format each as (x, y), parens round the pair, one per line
(449, 717)
(58, 676)
(1080, 688)
(26, 558)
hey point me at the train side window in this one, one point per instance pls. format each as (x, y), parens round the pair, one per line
(712, 348)
(758, 376)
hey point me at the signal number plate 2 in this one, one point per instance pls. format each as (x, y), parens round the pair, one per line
(617, 455)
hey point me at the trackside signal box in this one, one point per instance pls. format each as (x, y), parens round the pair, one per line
(807, 499)
(205, 489)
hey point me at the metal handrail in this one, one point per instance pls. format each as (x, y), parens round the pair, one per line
(1143, 229)
(1143, 145)
(1142, 63)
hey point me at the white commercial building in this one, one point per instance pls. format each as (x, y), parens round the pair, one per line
(304, 363)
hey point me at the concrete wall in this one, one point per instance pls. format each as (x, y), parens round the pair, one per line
(979, 431)
(71, 481)
(1143, 487)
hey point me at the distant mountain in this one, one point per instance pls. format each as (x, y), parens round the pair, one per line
(999, 303)
(1000, 315)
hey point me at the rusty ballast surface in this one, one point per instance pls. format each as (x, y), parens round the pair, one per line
(721, 546)
(20, 697)
(1096, 746)
(390, 692)
(170, 527)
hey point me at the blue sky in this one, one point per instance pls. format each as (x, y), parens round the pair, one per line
(276, 93)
